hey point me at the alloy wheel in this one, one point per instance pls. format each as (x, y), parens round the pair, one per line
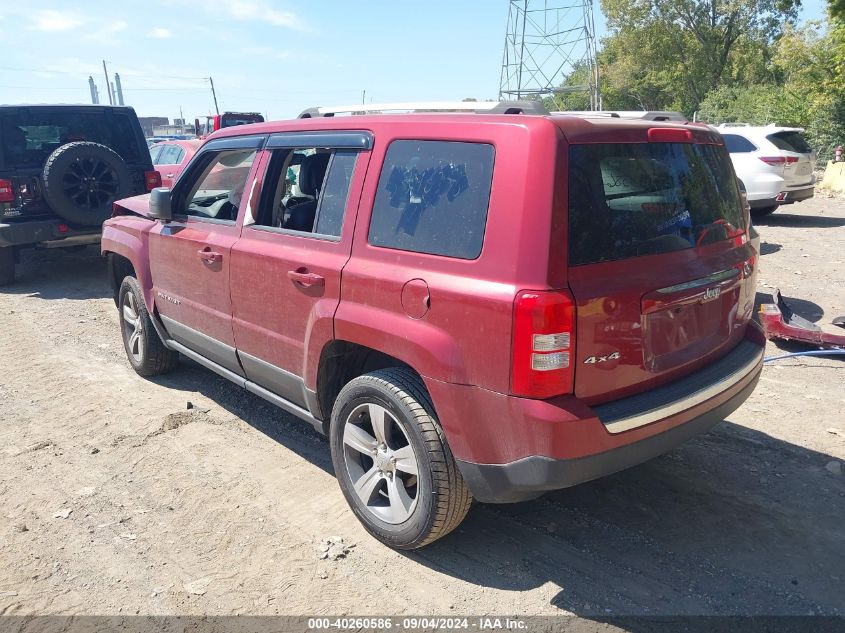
(133, 329)
(90, 183)
(381, 463)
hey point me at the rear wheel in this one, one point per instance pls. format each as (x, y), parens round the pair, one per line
(144, 349)
(392, 461)
(763, 211)
(7, 265)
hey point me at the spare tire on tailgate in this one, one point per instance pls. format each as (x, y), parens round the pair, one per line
(83, 179)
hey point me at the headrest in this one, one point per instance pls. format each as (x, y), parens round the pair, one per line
(311, 173)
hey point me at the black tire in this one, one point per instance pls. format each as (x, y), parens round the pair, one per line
(144, 349)
(7, 265)
(442, 498)
(761, 212)
(82, 180)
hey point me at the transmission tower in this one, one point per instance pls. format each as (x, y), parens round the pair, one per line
(547, 42)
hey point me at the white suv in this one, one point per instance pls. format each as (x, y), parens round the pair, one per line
(775, 164)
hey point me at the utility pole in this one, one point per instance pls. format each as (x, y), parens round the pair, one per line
(108, 87)
(214, 94)
(182, 119)
(364, 98)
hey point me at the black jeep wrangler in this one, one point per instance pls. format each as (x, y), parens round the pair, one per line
(61, 168)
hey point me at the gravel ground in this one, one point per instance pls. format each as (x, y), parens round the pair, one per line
(118, 499)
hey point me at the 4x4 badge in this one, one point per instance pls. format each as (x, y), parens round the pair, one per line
(592, 360)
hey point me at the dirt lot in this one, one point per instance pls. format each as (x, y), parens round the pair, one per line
(118, 499)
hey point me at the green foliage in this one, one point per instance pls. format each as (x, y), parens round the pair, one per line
(727, 60)
(668, 54)
(573, 93)
(807, 91)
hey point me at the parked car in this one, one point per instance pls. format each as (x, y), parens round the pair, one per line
(774, 163)
(478, 305)
(170, 157)
(61, 169)
(215, 122)
(152, 140)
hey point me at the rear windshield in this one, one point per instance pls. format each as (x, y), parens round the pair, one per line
(790, 142)
(28, 137)
(629, 200)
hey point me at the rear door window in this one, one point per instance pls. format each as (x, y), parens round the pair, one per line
(737, 144)
(790, 142)
(630, 200)
(433, 198)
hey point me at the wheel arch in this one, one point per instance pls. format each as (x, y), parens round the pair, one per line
(341, 361)
(127, 254)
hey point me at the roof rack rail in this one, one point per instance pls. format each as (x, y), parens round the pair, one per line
(734, 124)
(585, 113)
(477, 107)
(646, 115)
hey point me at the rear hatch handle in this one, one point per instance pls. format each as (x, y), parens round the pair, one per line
(700, 290)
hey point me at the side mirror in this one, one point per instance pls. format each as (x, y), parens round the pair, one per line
(160, 204)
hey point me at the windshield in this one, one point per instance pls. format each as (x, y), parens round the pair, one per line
(29, 136)
(629, 200)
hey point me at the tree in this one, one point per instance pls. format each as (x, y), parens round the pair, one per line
(573, 93)
(671, 53)
(807, 90)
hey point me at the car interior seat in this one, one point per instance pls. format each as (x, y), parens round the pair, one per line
(311, 175)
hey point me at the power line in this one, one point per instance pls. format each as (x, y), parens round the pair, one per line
(84, 72)
(195, 90)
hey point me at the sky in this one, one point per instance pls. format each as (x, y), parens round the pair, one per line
(271, 56)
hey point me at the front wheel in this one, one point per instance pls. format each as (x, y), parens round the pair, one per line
(392, 461)
(144, 349)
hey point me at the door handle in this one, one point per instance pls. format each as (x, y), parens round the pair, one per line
(209, 256)
(168, 175)
(302, 277)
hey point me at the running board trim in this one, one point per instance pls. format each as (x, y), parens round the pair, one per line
(246, 384)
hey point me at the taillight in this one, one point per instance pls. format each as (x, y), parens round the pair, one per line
(153, 179)
(7, 191)
(543, 338)
(773, 160)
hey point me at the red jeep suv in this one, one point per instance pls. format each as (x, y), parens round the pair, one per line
(486, 304)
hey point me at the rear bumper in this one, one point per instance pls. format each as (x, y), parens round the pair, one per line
(534, 446)
(795, 195)
(45, 232)
(783, 196)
